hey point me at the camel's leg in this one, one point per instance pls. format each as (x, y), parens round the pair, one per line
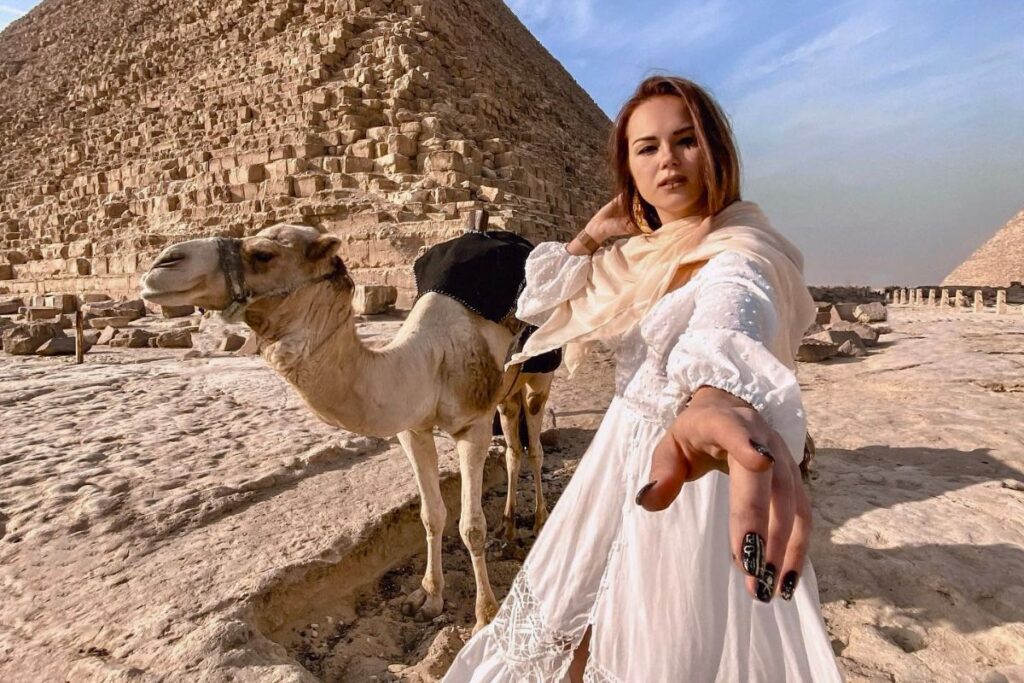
(427, 601)
(510, 411)
(472, 444)
(537, 390)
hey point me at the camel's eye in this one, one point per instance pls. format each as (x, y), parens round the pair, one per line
(262, 256)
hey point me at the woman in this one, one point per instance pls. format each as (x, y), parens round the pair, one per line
(637, 577)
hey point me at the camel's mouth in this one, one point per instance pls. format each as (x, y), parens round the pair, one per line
(166, 293)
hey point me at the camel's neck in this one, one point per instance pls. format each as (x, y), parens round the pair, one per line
(312, 342)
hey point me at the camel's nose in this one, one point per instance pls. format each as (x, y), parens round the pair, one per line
(168, 259)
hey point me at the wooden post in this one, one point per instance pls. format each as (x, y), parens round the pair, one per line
(79, 338)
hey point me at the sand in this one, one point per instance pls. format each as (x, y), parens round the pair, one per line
(165, 518)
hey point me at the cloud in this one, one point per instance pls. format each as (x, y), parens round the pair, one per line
(574, 16)
(12, 10)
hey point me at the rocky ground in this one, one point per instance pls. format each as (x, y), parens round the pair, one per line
(173, 515)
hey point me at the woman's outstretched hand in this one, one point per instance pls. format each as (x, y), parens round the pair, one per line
(769, 512)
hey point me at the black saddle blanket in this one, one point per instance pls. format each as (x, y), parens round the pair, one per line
(484, 271)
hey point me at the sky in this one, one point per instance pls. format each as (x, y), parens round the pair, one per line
(886, 139)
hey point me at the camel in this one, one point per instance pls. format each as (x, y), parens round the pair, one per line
(443, 369)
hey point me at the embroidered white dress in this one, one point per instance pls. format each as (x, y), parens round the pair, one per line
(659, 589)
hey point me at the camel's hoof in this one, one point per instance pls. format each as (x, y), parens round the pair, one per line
(421, 606)
(538, 520)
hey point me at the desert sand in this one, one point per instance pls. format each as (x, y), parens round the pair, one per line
(174, 516)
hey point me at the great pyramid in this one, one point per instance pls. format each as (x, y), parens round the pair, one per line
(997, 262)
(127, 125)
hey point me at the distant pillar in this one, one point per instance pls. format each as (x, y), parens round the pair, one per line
(906, 297)
(979, 301)
(1001, 302)
(959, 302)
(919, 293)
(944, 301)
(931, 297)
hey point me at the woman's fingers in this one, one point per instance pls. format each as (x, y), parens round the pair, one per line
(669, 470)
(799, 539)
(780, 522)
(749, 506)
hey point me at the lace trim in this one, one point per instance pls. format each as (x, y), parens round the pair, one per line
(595, 673)
(534, 652)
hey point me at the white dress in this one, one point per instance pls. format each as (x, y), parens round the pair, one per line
(659, 589)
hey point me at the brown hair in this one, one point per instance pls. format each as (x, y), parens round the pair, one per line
(719, 158)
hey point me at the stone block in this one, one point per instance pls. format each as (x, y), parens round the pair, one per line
(814, 351)
(395, 163)
(107, 335)
(175, 339)
(37, 313)
(67, 303)
(851, 350)
(134, 338)
(114, 321)
(837, 337)
(25, 339)
(232, 342)
(373, 299)
(841, 312)
(6, 271)
(356, 165)
(59, 346)
(868, 335)
(10, 306)
(79, 266)
(177, 311)
(870, 313)
(441, 161)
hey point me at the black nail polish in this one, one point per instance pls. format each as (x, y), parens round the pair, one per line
(643, 491)
(766, 583)
(753, 554)
(788, 585)
(763, 450)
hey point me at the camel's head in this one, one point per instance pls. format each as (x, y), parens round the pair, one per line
(222, 274)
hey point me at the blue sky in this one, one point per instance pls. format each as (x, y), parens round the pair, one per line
(885, 138)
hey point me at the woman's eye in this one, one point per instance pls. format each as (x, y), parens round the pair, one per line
(647, 149)
(687, 142)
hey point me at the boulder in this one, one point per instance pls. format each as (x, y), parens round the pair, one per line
(177, 311)
(251, 347)
(837, 337)
(133, 338)
(232, 342)
(10, 306)
(841, 312)
(870, 313)
(59, 346)
(106, 336)
(25, 339)
(373, 299)
(848, 348)
(115, 321)
(175, 339)
(867, 334)
(36, 313)
(814, 351)
(92, 337)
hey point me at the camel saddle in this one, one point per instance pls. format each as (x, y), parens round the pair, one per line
(484, 271)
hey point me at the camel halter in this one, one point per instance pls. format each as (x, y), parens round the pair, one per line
(229, 252)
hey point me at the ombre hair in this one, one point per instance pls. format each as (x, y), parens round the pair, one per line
(719, 159)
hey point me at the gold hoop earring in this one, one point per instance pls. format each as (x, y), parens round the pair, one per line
(638, 215)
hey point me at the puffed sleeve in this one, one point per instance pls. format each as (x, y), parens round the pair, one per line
(553, 275)
(726, 343)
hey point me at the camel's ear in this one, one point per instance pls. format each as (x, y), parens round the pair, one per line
(324, 246)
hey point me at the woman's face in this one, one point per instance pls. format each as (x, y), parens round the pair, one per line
(663, 157)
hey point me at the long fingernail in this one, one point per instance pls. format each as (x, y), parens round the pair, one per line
(762, 449)
(753, 554)
(766, 583)
(643, 491)
(788, 585)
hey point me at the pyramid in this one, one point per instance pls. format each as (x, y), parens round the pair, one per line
(130, 125)
(997, 262)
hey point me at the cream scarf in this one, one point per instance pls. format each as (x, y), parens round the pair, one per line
(628, 277)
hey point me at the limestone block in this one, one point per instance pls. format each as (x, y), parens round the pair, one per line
(26, 338)
(79, 266)
(175, 339)
(307, 186)
(59, 346)
(10, 306)
(177, 311)
(36, 313)
(848, 348)
(868, 335)
(394, 163)
(491, 194)
(95, 297)
(247, 174)
(837, 337)
(442, 160)
(6, 271)
(870, 313)
(107, 335)
(100, 323)
(232, 342)
(402, 144)
(134, 338)
(814, 351)
(373, 299)
(356, 165)
(16, 257)
(364, 149)
(841, 312)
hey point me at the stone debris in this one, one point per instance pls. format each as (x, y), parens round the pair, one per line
(174, 339)
(59, 346)
(177, 311)
(867, 334)
(870, 313)
(815, 350)
(25, 338)
(841, 330)
(133, 338)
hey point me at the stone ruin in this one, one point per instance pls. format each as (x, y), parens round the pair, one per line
(129, 125)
